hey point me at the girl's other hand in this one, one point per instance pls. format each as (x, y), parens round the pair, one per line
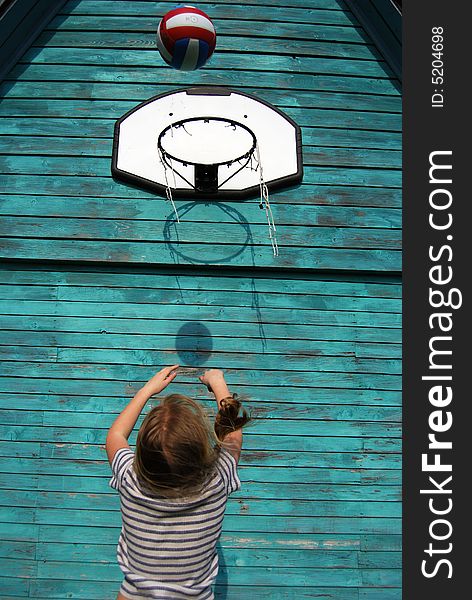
(161, 380)
(212, 376)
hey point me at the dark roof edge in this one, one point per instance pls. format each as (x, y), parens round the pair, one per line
(382, 21)
(21, 22)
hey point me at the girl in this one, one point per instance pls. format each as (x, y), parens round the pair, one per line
(173, 490)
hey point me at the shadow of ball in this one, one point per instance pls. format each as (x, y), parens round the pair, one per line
(193, 344)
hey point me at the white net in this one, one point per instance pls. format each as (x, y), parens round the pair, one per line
(264, 203)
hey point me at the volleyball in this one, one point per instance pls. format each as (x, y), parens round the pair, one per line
(186, 38)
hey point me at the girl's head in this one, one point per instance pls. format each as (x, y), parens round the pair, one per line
(176, 448)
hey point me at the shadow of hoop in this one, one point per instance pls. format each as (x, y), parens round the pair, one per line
(183, 250)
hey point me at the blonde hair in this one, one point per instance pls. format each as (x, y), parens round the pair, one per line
(177, 448)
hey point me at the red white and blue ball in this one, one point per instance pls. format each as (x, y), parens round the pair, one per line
(186, 38)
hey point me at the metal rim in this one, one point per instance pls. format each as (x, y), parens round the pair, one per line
(182, 122)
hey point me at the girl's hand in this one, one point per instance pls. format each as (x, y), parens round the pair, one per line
(160, 380)
(212, 378)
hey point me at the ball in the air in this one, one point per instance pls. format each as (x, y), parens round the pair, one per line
(186, 38)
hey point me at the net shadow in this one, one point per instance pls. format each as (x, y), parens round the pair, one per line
(187, 252)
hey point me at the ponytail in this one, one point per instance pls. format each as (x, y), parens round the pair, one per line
(228, 419)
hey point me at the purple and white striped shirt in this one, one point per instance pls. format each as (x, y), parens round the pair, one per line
(167, 547)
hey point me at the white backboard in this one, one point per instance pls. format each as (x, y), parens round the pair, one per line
(137, 159)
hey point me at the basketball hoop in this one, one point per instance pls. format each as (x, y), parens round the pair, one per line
(223, 147)
(209, 143)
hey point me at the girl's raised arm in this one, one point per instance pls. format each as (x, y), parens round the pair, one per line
(228, 423)
(119, 432)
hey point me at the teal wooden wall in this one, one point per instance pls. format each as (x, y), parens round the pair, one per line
(97, 292)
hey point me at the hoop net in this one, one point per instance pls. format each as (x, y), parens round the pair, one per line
(206, 153)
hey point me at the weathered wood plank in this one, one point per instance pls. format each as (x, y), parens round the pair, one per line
(381, 577)
(89, 400)
(237, 61)
(315, 13)
(149, 207)
(260, 255)
(370, 228)
(19, 449)
(27, 353)
(324, 295)
(13, 531)
(105, 326)
(17, 586)
(326, 81)
(265, 28)
(17, 549)
(352, 285)
(389, 593)
(112, 356)
(226, 43)
(264, 410)
(302, 409)
(369, 446)
(137, 92)
(379, 260)
(29, 292)
(387, 560)
(381, 542)
(367, 225)
(187, 345)
(142, 231)
(239, 505)
(245, 314)
(319, 4)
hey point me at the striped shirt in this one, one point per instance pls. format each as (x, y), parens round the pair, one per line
(167, 547)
